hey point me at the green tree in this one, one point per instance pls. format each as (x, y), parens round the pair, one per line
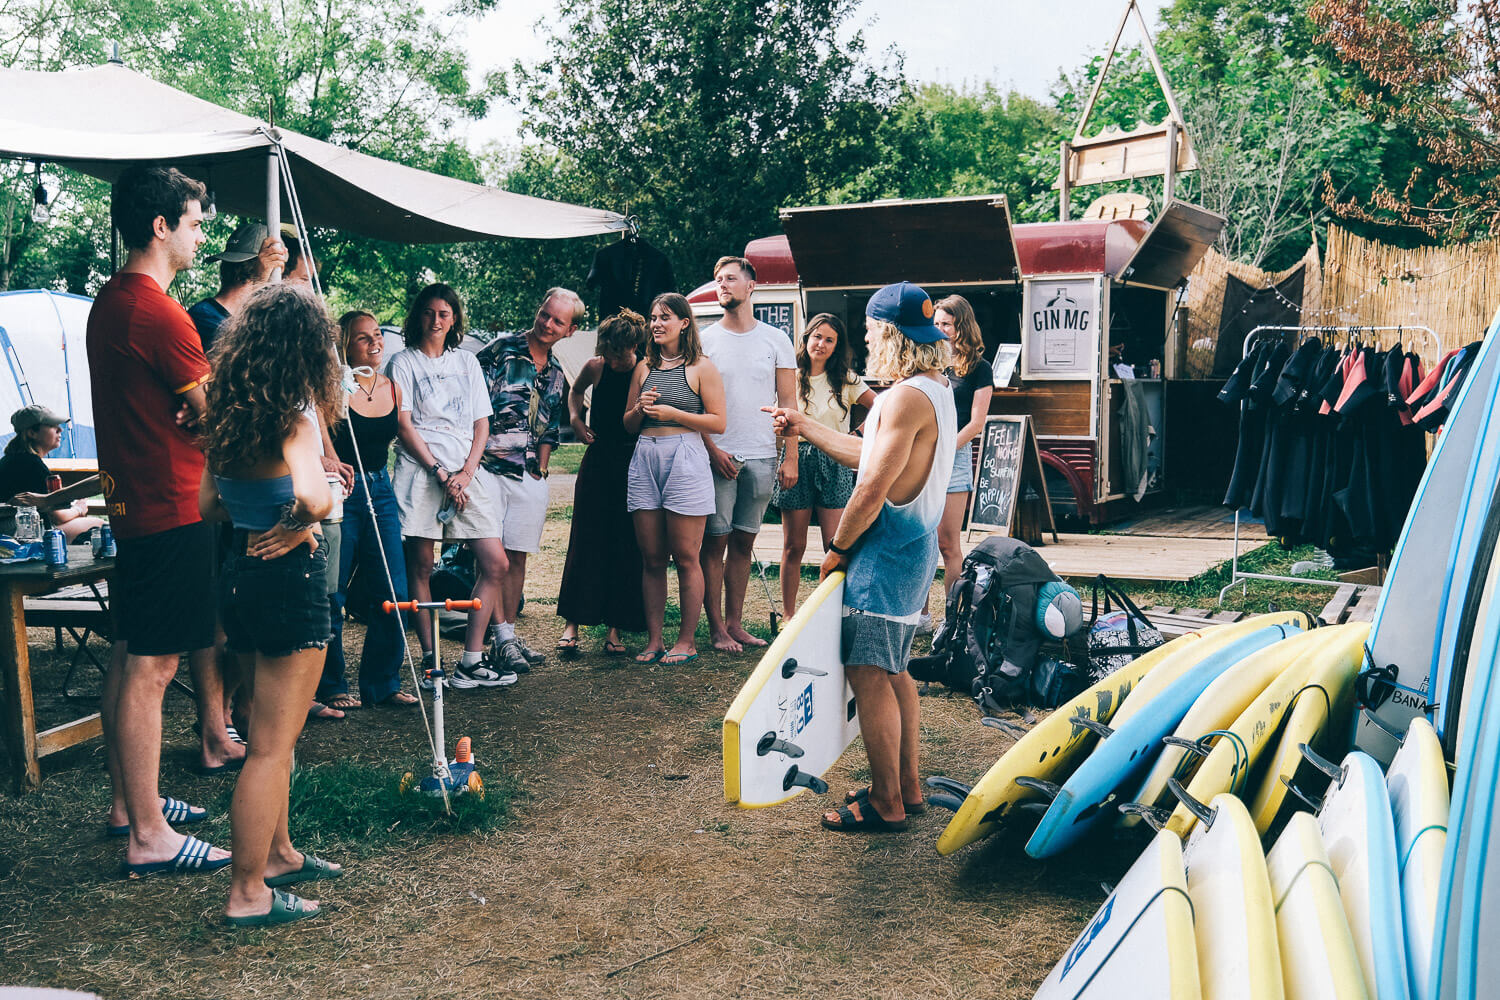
(704, 124)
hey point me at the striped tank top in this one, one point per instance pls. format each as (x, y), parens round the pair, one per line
(672, 385)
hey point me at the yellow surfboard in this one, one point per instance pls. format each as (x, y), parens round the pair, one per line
(1218, 706)
(1318, 960)
(1327, 695)
(1235, 753)
(1233, 912)
(1054, 746)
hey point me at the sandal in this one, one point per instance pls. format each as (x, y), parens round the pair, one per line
(345, 703)
(312, 870)
(649, 656)
(863, 795)
(319, 712)
(567, 647)
(614, 648)
(401, 699)
(285, 908)
(869, 821)
(191, 857)
(176, 811)
(678, 659)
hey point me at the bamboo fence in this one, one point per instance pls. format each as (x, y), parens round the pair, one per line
(1205, 301)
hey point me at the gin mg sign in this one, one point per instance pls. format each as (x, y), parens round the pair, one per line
(1060, 328)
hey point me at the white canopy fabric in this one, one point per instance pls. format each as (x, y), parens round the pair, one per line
(102, 119)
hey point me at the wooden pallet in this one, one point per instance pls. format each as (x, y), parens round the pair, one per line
(1351, 603)
(1172, 622)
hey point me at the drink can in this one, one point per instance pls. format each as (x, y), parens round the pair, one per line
(55, 547)
(107, 541)
(336, 487)
(54, 483)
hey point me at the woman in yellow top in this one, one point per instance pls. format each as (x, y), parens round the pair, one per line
(828, 392)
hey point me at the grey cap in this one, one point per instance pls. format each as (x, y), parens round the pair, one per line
(244, 244)
(35, 415)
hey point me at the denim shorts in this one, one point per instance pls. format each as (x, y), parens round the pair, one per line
(962, 478)
(275, 607)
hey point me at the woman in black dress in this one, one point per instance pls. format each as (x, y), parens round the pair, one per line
(602, 549)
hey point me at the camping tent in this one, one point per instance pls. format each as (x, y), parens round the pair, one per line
(42, 338)
(101, 119)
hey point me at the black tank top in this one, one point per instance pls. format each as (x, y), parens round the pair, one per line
(371, 437)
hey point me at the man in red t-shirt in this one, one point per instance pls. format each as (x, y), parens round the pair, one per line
(146, 361)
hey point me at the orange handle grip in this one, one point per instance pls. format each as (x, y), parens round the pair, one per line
(474, 605)
(390, 606)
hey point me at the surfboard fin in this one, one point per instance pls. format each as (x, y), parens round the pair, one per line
(1315, 803)
(795, 778)
(949, 785)
(1094, 726)
(1007, 727)
(1197, 808)
(1152, 816)
(943, 800)
(771, 742)
(1196, 747)
(791, 667)
(1320, 762)
(1047, 788)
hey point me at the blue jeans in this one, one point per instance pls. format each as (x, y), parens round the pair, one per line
(384, 651)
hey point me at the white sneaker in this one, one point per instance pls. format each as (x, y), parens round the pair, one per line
(925, 624)
(479, 675)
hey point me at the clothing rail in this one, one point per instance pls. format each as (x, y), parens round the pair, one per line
(1237, 578)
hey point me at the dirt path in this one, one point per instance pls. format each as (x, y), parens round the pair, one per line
(620, 846)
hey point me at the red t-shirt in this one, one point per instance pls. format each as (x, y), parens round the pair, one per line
(144, 352)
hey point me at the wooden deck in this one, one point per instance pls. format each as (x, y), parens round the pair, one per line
(1124, 557)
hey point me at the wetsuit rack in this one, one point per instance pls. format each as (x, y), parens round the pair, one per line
(1237, 578)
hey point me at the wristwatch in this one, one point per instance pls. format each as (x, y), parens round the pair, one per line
(436, 468)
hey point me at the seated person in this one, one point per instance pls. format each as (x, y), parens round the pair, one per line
(23, 474)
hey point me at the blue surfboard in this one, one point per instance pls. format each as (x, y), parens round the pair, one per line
(1089, 798)
(1439, 540)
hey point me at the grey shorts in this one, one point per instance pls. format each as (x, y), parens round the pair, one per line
(962, 479)
(870, 640)
(670, 473)
(741, 502)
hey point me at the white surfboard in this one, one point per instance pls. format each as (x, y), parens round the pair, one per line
(1415, 599)
(795, 716)
(1318, 960)
(1140, 943)
(1359, 834)
(1235, 918)
(1418, 784)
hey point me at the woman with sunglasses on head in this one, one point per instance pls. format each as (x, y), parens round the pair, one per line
(827, 392)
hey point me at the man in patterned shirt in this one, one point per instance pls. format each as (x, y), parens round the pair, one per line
(526, 392)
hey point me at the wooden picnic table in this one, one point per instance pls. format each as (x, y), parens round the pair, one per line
(25, 745)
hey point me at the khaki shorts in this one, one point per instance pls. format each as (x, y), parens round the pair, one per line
(419, 497)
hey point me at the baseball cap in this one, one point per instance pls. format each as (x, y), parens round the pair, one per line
(909, 308)
(244, 244)
(35, 415)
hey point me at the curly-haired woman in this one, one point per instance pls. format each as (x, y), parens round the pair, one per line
(275, 377)
(828, 392)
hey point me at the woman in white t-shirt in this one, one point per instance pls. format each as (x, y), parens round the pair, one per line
(442, 425)
(828, 392)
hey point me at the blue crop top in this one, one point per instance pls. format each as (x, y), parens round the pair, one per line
(254, 504)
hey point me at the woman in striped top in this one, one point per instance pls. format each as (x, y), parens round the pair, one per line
(676, 396)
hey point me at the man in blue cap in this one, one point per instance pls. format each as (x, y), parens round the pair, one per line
(887, 542)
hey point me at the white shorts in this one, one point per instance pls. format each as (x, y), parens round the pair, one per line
(419, 498)
(525, 512)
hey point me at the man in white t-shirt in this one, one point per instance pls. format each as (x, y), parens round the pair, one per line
(759, 369)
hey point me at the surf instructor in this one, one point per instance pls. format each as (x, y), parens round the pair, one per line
(886, 542)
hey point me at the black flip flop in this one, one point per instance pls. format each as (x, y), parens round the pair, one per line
(863, 795)
(869, 821)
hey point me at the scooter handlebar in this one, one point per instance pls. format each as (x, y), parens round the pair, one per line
(449, 605)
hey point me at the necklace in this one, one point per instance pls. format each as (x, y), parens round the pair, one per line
(370, 392)
(673, 359)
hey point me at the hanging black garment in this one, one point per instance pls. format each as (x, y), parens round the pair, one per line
(1252, 428)
(1262, 392)
(1289, 442)
(628, 275)
(1247, 307)
(1434, 409)
(1324, 427)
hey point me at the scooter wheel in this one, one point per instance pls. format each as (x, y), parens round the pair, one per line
(476, 785)
(407, 782)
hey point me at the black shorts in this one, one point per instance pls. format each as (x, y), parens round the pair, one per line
(162, 591)
(275, 607)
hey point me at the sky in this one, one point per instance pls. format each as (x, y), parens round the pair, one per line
(1020, 44)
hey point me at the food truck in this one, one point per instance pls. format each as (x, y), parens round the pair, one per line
(1070, 312)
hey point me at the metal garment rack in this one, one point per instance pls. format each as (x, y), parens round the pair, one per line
(1236, 578)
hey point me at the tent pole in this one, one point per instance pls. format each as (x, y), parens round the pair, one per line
(273, 202)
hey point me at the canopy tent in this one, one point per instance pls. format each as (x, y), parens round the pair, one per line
(101, 119)
(45, 361)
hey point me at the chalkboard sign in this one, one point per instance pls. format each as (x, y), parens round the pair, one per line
(1010, 466)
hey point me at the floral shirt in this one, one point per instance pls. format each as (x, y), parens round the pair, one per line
(528, 405)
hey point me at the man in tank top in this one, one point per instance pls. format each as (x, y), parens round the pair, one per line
(887, 544)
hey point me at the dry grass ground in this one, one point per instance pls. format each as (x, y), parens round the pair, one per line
(618, 845)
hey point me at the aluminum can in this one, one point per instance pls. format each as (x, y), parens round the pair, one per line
(55, 547)
(54, 483)
(107, 541)
(336, 487)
